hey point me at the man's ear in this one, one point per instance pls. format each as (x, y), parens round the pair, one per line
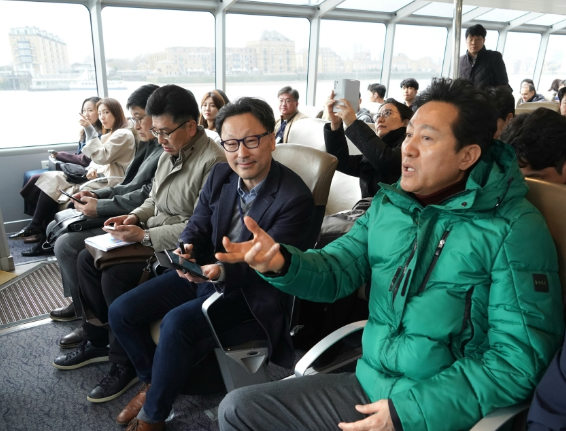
(470, 154)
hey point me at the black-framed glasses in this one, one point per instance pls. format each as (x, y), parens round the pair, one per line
(384, 114)
(164, 135)
(250, 142)
(136, 120)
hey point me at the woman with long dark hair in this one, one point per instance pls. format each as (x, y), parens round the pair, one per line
(110, 154)
(209, 106)
(30, 192)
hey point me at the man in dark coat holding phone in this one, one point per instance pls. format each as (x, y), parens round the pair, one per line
(251, 184)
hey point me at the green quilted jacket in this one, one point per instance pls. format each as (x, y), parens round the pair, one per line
(465, 301)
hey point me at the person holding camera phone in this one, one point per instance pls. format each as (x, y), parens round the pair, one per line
(380, 160)
(251, 184)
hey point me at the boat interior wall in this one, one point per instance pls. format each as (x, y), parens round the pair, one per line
(13, 163)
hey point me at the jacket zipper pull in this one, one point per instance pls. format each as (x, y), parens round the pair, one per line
(435, 257)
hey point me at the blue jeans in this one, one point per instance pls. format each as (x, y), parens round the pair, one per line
(185, 335)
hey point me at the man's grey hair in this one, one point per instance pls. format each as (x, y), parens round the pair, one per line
(289, 90)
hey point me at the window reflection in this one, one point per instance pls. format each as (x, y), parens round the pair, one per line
(46, 57)
(416, 57)
(265, 54)
(520, 56)
(349, 56)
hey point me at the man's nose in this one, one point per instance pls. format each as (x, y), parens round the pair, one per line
(161, 140)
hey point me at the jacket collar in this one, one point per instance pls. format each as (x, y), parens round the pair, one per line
(196, 143)
(264, 199)
(289, 117)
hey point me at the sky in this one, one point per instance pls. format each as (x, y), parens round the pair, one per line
(129, 32)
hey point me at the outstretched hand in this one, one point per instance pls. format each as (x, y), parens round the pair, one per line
(261, 253)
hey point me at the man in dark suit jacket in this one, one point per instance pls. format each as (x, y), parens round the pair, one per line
(250, 184)
(485, 68)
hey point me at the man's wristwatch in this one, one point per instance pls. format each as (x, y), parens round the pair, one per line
(146, 239)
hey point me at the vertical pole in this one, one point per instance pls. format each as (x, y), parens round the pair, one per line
(312, 73)
(220, 53)
(456, 35)
(95, 8)
(540, 58)
(6, 259)
(446, 66)
(388, 55)
(501, 41)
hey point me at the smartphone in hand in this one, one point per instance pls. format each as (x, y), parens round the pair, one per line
(183, 264)
(71, 197)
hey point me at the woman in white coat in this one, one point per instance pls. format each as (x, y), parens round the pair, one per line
(110, 154)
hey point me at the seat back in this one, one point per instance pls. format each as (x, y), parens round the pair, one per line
(310, 111)
(308, 131)
(525, 108)
(550, 200)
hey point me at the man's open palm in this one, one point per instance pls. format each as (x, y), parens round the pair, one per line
(261, 253)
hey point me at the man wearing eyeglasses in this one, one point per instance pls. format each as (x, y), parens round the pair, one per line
(188, 158)
(288, 104)
(250, 184)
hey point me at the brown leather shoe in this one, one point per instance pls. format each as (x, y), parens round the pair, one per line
(133, 407)
(139, 425)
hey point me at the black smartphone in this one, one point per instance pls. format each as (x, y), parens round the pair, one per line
(71, 197)
(180, 263)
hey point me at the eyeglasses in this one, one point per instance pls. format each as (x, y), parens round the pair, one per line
(232, 145)
(286, 101)
(384, 114)
(164, 135)
(136, 120)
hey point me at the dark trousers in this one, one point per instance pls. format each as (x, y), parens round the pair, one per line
(99, 289)
(30, 192)
(311, 403)
(185, 335)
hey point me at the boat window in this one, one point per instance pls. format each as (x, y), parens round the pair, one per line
(491, 40)
(520, 56)
(265, 54)
(416, 57)
(45, 53)
(349, 56)
(554, 62)
(138, 51)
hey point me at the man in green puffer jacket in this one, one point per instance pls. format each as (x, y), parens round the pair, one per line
(465, 302)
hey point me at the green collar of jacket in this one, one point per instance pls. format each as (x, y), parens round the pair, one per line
(495, 179)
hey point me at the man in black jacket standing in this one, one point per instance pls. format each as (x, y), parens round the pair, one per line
(485, 68)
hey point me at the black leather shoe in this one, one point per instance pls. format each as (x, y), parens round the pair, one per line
(64, 314)
(25, 232)
(118, 380)
(39, 249)
(72, 340)
(84, 355)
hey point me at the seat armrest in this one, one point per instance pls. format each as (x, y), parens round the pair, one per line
(324, 344)
(499, 417)
(99, 180)
(205, 306)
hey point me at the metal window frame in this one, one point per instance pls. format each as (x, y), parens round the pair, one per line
(325, 10)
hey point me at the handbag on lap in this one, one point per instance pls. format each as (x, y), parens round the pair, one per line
(71, 220)
(75, 173)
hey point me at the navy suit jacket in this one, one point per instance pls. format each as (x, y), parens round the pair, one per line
(284, 208)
